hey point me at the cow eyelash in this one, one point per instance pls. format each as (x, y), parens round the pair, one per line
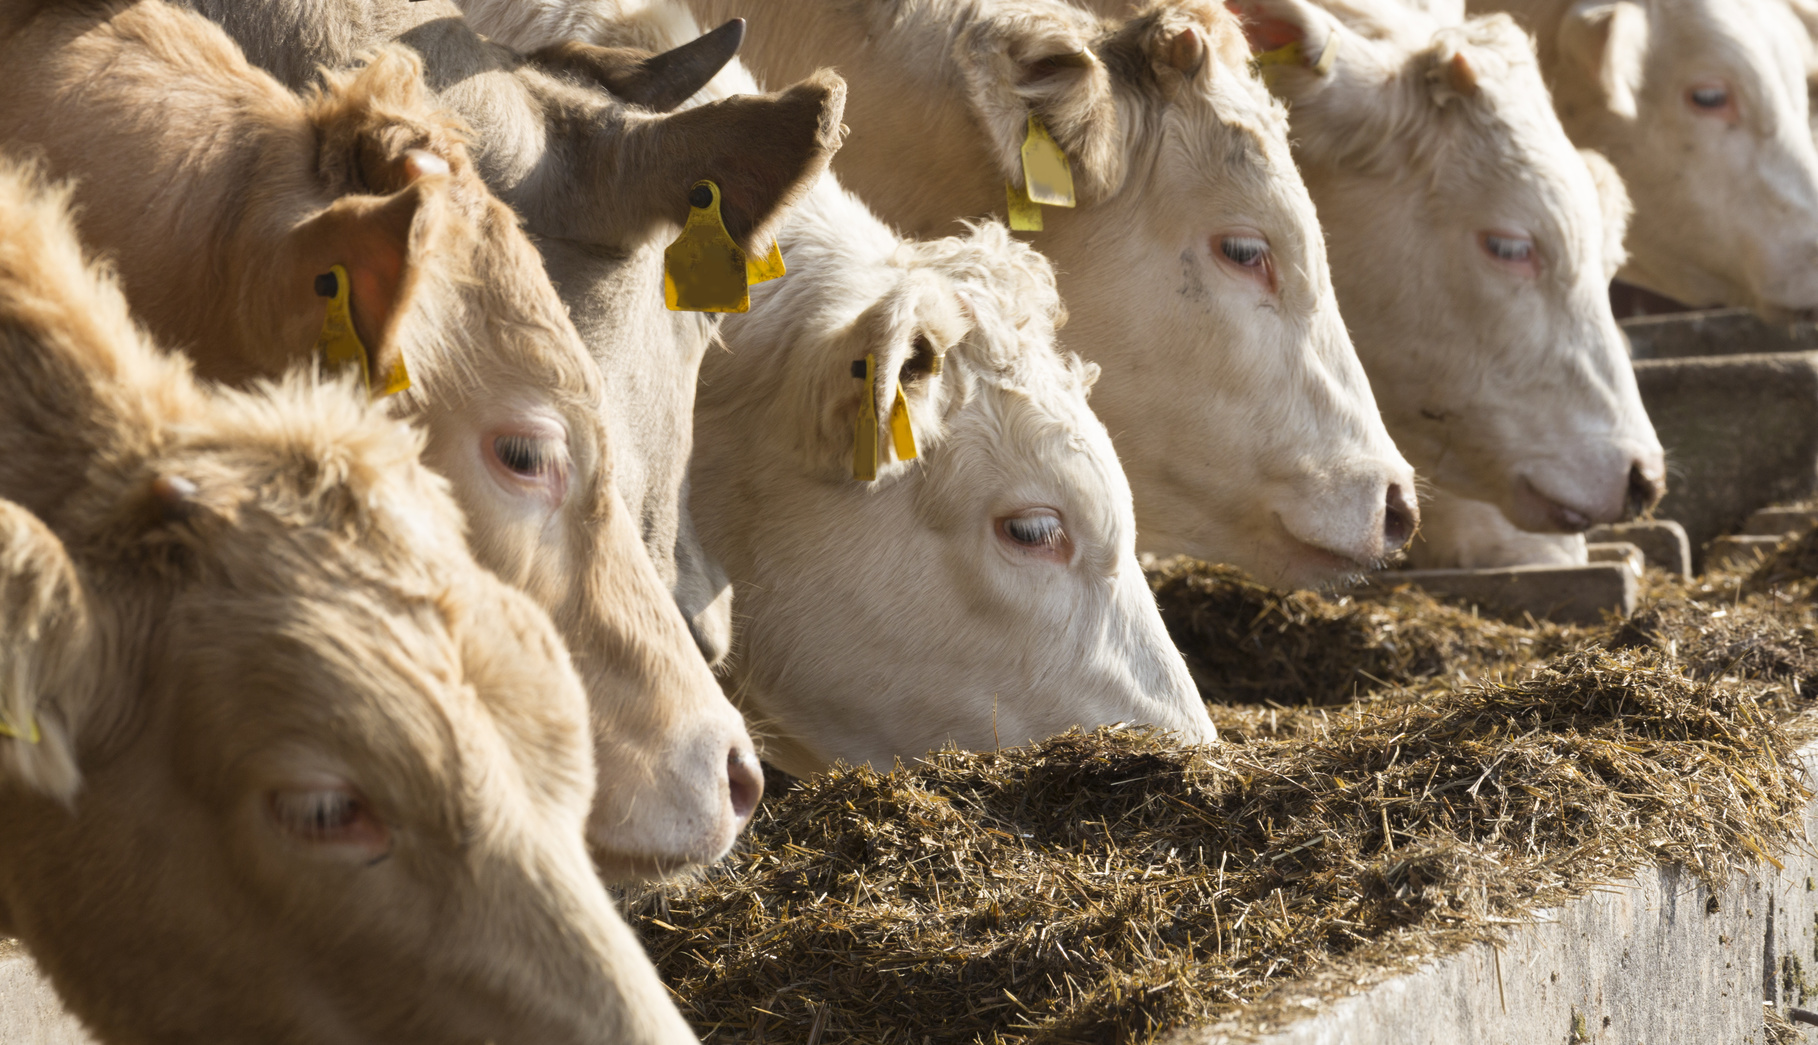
(527, 456)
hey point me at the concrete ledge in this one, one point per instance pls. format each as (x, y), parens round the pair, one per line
(1569, 594)
(30, 1012)
(1662, 542)
(1741, 433)
(1778, 522)
(1737, 552)
(1655, 960)
(1622, 553)
(1716, 332)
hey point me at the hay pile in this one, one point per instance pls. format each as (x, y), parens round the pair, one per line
(1247, 643)
(1104, 887)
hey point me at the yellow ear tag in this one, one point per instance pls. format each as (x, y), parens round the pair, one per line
(1025, 214)
(339, 343)
(30, 735)
(1047, 176)
(902, 436)
(1292, 54)
(704, 270)
(767, 268)
(864, 444)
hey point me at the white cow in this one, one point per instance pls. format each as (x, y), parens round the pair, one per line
(986, 592)
(1193, 269)
(1434, 153)
(1702, 106)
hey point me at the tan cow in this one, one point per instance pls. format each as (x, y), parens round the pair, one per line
(280, 762)
(560, 149)
(1472, 248)
(1193, 268)
(1702, 106)
(154, 110)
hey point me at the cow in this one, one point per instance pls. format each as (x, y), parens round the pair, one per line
(985, 592)
(1193, 267)
(154, 109)
(561, 150)
(1702, 107)
(281, 762)
(1434, 155)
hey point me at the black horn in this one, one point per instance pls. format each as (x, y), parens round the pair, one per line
(672, 77)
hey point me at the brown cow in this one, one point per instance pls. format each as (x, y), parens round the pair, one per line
(154, 110)
(280, 762)
(545, 127)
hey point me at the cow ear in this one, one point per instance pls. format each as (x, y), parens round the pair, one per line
(1608, 42)
(1270, 26)
(658, 82)
(907, 333)
(386, 244)
(1613, 201)
(1018, 67)
(1450, 75)
(45, 617)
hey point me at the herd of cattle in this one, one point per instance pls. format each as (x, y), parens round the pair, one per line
(330, 693)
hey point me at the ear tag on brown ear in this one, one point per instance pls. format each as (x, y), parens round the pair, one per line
(1047, 176)
(340, 344)
(704, 270)
(767, 268)
(29, 734)
(902, 436)
(1025, 214)
(864, 443)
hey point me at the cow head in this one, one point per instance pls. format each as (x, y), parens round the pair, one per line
(986, 591)
(1702, 106)
(1196, 276)
(272, 734)
(1471, 251)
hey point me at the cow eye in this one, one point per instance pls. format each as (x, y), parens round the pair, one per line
(527, 455)
(1710, 97)
(1247, 251)
(331, 815)
(1511, 249)
(1508, 248)
(1037, 531)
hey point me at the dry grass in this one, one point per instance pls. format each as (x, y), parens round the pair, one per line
(1106, 887)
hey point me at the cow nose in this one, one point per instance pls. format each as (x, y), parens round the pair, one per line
(1643, 492)
(745, 781)
(1399, 519)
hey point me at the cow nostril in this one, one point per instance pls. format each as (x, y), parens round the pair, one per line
(1643, 493)
(745, 782)
(1399, 518)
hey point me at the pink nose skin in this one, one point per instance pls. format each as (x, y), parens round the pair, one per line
(745, 779)
(1400, 518)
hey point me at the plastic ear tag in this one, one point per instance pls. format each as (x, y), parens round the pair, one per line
(1025, 214)
(340, 344)
(767, 268)
(704, 270)
(1047, 176)
(864, 444)
(902, 436)
(30, 734)
(1293, 54)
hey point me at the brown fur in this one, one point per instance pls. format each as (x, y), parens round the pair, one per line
(154, 109)
(214, 598)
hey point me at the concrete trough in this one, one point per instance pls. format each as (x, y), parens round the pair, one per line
(1663, 543)
(1566, 594)
(1716, 332)
(1741, 434)
(1778, 522)
(1654, 960)
(30, 1013)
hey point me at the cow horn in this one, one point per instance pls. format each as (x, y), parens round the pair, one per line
(672, 77)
